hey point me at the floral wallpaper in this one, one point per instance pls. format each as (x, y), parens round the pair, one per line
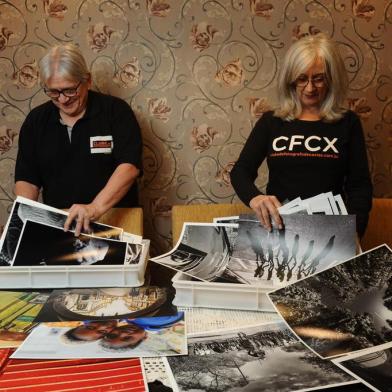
(198, 74)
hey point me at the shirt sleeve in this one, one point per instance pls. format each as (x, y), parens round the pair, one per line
(127, 140)
(26, 168)
(244, 172)
(358, 186)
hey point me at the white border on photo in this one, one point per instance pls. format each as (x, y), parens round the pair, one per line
(167, 378)
(184, 226)
(33, 203)
(224, 219)
(284, 209)
(298, 209)
(341, 206)
(319, 204)
(40, 206)
(309, 277)
(45, 342)
(5, 229)
(340, 361)
(131, 238)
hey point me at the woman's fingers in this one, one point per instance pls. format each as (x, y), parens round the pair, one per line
(266, 207)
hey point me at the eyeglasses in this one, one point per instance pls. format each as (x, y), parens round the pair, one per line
(317, 81)
(67, 92)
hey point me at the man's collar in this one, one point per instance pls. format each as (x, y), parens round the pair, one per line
(93, 107)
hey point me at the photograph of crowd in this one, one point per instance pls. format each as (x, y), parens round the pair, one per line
(120, 338)
(372, 367)
(343, 309)
(307, 244)
(107, 303)
(24, 209)
(264, 358)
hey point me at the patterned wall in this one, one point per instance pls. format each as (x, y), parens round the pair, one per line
(198, 74)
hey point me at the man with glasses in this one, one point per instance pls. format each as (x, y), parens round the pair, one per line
(82, 148)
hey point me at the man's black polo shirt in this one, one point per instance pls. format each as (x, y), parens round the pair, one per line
(76, 171)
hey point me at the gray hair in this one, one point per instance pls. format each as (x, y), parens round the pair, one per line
(66, 61)
(300, 57)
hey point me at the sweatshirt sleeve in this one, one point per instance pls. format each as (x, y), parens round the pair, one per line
(244, 172)
(358, 186)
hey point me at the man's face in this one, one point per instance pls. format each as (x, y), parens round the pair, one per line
(69, 106)
(94, 330)
(124, 336)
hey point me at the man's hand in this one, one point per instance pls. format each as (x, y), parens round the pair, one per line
(115, 189)
(265, 207)
(82, 214)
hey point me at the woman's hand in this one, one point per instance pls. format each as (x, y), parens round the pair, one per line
(266, 207)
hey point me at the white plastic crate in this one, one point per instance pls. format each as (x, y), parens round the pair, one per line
(76, 275)
(221, 295)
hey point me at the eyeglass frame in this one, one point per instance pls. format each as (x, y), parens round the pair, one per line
(315, 83)
(74, 91)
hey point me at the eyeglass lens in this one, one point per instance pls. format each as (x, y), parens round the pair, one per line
(303, 81)
(67, 92)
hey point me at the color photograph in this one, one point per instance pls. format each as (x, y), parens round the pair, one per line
(107, 303)
(122, 338)
(18, 311)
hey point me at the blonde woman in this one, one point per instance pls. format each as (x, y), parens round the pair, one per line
(311, 143)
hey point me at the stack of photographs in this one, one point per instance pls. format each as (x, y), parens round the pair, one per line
(34, 235)
(345, 314)
(323, 203)
(246, 253)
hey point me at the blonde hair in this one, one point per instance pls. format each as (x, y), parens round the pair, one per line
(65, 60)
(299, 58)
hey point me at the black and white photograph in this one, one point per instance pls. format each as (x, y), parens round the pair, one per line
(307, 244)
(373, 367)
(45, 245)
(344, 309)
(265, 357)
(107, 303)
(158, 374)
(203, 251)
(24, 209)
(133, 254)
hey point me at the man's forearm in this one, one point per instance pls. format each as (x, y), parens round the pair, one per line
(26, 189)
(116, 188)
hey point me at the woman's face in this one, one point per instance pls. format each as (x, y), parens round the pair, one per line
(311, 86)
